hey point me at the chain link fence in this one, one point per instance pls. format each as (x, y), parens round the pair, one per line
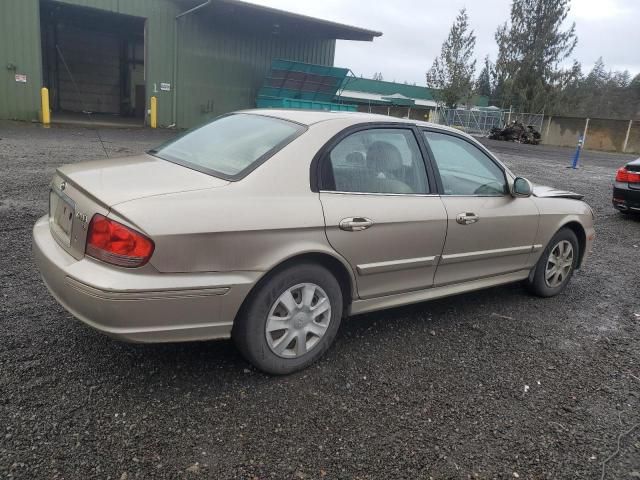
(527, 119)
(480, 122)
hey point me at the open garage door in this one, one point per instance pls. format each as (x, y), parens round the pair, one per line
(93, 61)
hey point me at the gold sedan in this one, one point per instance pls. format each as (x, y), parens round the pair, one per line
(271, 226)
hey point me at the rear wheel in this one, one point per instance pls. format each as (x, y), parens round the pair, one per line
(290, 320)
(556, 265)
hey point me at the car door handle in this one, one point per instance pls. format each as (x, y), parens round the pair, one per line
(355, 224)
(467, 218)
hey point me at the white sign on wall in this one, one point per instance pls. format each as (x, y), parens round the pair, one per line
(20, 78)
(165, 87)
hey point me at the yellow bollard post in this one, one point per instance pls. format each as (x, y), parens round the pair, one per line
(46, 112)
(154, 112)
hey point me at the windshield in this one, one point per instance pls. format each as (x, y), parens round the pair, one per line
(231, 146)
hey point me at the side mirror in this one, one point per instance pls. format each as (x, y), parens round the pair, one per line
(522, 188)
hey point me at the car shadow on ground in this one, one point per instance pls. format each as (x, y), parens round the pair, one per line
(631, 217)
(221, 363)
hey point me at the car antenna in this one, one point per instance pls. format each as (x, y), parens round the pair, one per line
(84, 107)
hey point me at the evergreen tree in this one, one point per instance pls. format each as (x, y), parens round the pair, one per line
(600, 94)
(621, 79)
(568, 92)
(483, 83)
(451, 74)
(531, 47)
(634, 86)
(598, 76)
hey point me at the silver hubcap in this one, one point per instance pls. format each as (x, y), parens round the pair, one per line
(298, 320)
(559, 264)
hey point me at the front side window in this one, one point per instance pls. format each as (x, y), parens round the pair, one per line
(464, 168)
(230, 146)
(381, 160)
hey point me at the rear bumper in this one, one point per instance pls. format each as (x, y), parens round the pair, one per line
(626, 199)
(141, 305)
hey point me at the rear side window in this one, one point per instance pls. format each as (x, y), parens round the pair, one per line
(231, 146)
(376, 161)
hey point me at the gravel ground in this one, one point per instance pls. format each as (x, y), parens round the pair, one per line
(495, 384)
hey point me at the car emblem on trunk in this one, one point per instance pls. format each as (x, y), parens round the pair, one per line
(83, 219)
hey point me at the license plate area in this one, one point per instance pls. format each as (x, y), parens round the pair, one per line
(61, 213)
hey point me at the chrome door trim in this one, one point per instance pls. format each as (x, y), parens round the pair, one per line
(336, 192)
(484, 254)
(475, 196)
(393, 265)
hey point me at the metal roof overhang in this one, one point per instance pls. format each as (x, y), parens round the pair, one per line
(282, 22)
(377, 99)
(399, 100)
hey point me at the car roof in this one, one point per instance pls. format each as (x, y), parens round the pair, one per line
(310, 117)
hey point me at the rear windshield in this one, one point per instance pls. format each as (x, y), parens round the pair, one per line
(231, 146)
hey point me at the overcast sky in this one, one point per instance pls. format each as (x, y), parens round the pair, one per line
(415, 29)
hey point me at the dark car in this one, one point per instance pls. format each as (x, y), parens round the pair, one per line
(626, 189)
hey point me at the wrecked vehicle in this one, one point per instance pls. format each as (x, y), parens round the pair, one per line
(516, 132)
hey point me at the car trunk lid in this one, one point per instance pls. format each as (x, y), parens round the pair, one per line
(634, 167)
(79, 191)
(120, 180)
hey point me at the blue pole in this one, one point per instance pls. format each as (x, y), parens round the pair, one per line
(576, 157)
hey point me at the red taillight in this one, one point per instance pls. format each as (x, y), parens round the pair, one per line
(112, 242)
(625, 176)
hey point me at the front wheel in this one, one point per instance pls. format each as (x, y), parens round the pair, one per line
(556, 265)
(290, 320)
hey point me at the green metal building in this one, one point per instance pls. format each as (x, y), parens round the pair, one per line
(199, 58)
(396, 99)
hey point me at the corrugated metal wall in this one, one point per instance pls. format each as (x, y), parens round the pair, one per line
(222, 70)
(218, 69)
(20, 46)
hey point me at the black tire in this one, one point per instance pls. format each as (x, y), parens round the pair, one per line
(536, 283)
(249, 332)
